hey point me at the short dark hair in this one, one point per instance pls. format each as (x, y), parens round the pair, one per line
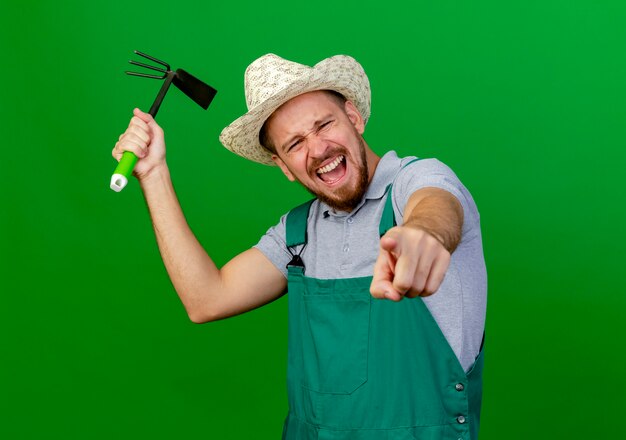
(264, 138)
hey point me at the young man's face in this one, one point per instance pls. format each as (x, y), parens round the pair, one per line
(319, 144)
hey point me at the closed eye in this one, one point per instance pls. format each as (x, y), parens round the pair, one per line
(295, 144)
(324, 125)
(320, 127)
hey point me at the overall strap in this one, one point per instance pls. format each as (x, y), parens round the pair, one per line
(296, 234)
(296, 224)
(388, 219)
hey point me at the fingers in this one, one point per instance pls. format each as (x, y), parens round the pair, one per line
(383, 274)
(137, 136)
(133, 140)
(145, 117)
(421, 273)
(385, 268)
(437, 274)
(390, 292)
(139, 129)
(406, 266)
(148, 120)
(139, 149)
(429, 270)
(420, 264)
(389, 242)
(381, 286)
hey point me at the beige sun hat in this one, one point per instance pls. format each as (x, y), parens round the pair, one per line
(270, 81)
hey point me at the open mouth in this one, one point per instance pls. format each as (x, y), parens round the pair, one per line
(334, 171)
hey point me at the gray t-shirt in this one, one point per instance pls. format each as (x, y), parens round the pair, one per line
(346, 245)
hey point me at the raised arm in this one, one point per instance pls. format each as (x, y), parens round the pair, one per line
(414, 257)
(248, 281)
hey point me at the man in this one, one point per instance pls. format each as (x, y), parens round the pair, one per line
(363, 363)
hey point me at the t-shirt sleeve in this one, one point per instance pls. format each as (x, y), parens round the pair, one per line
(274, 246)
(433, 173)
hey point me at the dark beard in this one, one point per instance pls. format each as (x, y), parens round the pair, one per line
(345, 199)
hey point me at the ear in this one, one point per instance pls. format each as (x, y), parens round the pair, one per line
(355, 117)
(278, 161)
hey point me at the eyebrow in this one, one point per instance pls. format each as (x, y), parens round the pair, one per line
(316, 125)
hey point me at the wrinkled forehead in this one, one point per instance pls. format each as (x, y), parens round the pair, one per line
(303, 110)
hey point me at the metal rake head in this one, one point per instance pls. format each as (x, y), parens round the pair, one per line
(147, 66)
(201, 93)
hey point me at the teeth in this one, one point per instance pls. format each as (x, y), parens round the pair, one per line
(331, 166)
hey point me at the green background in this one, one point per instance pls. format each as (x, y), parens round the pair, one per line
(525, 100)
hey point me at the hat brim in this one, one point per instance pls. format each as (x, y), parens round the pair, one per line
(242, 135)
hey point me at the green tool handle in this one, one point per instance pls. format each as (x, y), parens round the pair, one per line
(123, 171)
(127, 163)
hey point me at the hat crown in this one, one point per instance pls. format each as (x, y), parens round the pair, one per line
(269, 74)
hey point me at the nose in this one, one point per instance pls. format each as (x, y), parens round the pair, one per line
(317, 146)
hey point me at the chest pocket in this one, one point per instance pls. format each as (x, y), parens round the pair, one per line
(335, 334)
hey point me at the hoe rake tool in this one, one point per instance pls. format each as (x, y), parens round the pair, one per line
(199, 92)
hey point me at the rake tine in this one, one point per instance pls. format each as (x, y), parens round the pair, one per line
(145, 75)
(162, 63)
(147, 66)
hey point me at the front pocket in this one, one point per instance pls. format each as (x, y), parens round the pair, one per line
(335, 341)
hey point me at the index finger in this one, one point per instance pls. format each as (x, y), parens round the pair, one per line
(381, 286)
